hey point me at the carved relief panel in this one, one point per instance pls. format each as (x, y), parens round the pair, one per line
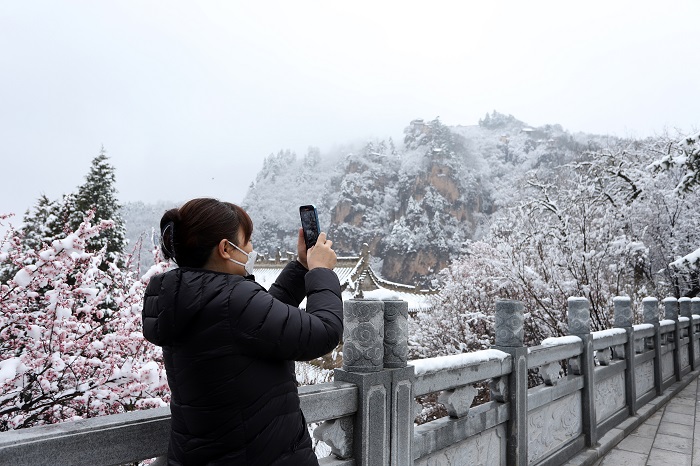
(552, 425)
(609, 396)
(488, 447)
(644, 378)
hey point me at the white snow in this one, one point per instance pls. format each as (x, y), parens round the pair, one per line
(683, 319)
(429, 365)
(150, 374)
(63, 313)
(9, 369)
(642, 327)
(667, 322)
(34, 332)
(608, 333)
(24, 277)
(556, 341)
(382, 294)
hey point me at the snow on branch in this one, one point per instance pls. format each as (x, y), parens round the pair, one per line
(684, 154)
(70, 334)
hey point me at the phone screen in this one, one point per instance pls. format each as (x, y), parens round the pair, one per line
(309, 222)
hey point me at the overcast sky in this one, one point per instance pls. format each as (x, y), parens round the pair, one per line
(189, 97)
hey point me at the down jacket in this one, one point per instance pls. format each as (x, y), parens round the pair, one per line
(229, 348)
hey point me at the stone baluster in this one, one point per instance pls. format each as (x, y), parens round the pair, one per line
(684, 305)
(402, 377)
(695, 306)
(509, 339)
(395, 334)
(623, 319)
(695, 311)
(375, 350)
(650, 308)
(671, 313)
(363, 363)
(580, 326)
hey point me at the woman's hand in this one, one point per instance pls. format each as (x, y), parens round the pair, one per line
(321, 255)
(301, 249)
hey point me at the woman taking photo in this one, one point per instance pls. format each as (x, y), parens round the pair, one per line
(229, 345)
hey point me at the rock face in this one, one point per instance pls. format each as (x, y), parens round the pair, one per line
(414, 205)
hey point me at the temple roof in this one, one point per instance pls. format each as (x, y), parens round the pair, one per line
(357, 279)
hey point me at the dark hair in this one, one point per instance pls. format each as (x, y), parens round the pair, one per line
(190, 233)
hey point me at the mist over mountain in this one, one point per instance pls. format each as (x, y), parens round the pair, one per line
(414, 202)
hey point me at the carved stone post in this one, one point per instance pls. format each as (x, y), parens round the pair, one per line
(651, 316)
(695, 306)
(363, 335)
(623, 319)
(684, 305)
(363, 363)
(580, 326)
(671, 313)
(695, 311)
(509, 339)
(395, 334)
(402, 377)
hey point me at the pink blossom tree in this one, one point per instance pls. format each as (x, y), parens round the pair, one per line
(70, 333)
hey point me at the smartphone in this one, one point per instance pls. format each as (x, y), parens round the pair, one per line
(309, 222)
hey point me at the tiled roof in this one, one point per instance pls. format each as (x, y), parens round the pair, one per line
(356, 277)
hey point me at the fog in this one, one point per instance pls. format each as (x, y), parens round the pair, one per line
(188, 98)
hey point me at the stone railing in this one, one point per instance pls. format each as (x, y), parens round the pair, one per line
(615, 379)
(134, 436)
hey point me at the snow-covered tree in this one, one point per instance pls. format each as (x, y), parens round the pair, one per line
(598, 227)
(683, 153)
(49, 220)
(461, 316)
(38, 223)
(63, 355)
(99, 194)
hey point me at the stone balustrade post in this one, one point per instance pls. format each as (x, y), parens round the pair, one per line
(650, 308)
(695, 306)
(363, 364)
(510, 317)
(684, 306)
(671, 313)
(402, 377)
(580, 326)
(375, 351)
(695, 311)
(624, 319)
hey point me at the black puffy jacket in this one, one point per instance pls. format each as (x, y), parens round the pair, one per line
(229, 348)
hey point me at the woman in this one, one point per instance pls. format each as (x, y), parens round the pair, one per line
(229, 345)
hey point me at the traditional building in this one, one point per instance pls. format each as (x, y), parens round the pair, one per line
(357, 279)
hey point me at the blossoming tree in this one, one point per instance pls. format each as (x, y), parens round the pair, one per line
(70, 333)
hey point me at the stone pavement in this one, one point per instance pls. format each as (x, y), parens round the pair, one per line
(667, 438)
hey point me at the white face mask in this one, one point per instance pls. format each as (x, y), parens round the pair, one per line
(250, 263)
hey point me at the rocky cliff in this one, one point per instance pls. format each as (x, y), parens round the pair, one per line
(414, 203)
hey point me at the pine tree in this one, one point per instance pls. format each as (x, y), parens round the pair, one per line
(38, 223)
(99, 193)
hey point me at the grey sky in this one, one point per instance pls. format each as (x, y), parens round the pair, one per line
(189, 97)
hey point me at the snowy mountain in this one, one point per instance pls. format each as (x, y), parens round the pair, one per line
(414, 203)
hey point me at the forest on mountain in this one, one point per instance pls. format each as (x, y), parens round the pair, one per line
(499, 210)
(419, 202)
